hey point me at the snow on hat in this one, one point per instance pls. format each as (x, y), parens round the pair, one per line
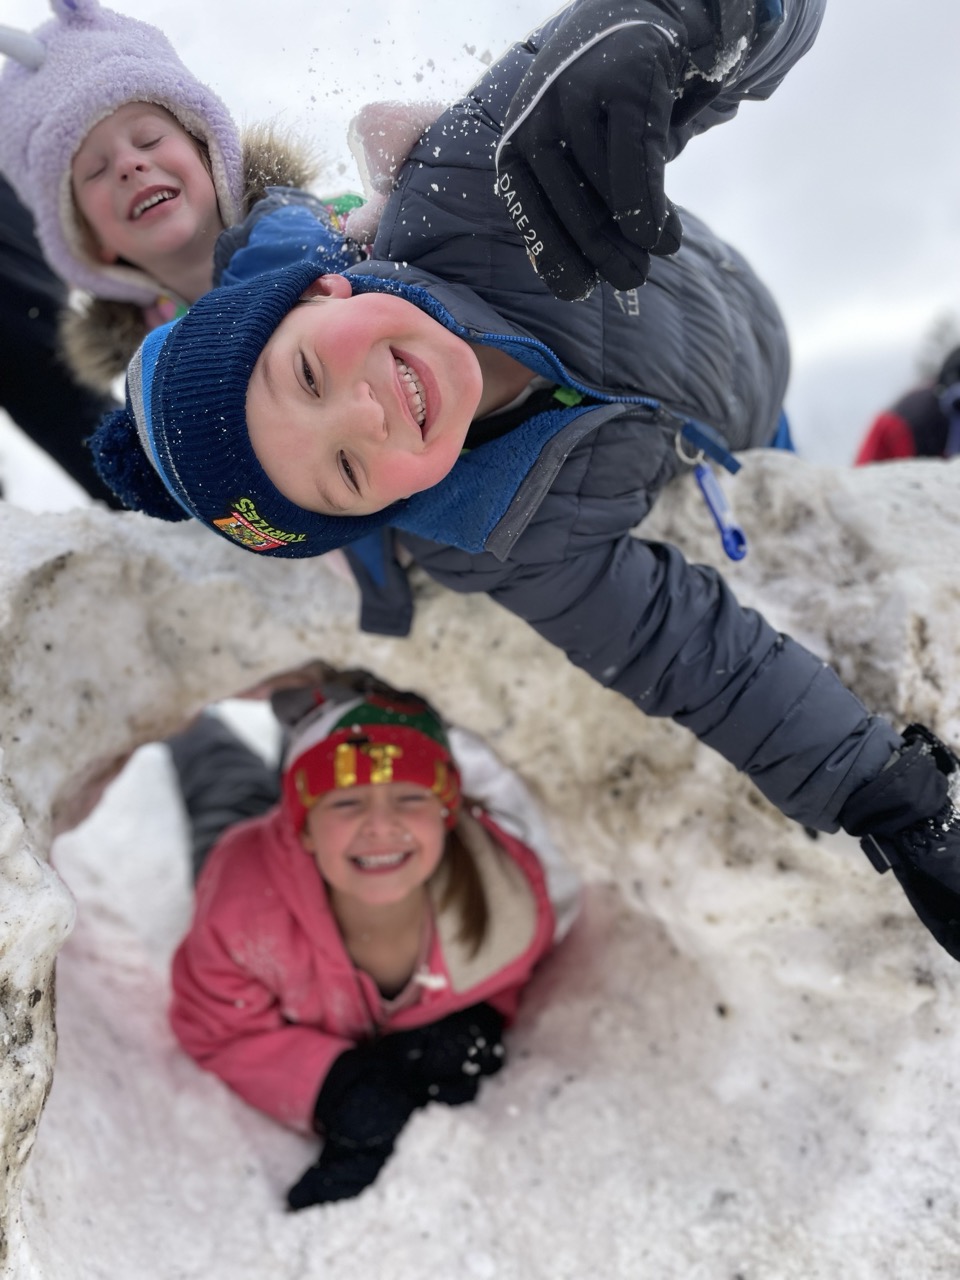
(66, 77)
(181, 447)
(354, 740)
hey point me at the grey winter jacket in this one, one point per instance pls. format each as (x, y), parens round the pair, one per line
(702, 338)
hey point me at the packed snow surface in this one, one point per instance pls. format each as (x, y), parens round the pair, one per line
(741, 1063)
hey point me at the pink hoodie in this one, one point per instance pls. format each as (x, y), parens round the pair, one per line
(266, 996)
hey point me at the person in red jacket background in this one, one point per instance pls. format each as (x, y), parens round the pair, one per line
(923, 423)
(357, 951)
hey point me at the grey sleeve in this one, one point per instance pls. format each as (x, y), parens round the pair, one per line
(761, 73)
(672, 638)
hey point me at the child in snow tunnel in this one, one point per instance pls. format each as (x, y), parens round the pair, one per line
(443, 397)
(356, 952)
(132, 169)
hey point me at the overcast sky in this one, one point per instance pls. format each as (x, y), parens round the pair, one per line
(843, 190)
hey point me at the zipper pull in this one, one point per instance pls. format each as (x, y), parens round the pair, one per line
(731, 535)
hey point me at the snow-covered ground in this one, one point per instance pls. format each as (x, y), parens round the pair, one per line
(741, 1063)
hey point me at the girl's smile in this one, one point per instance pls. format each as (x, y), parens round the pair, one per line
(376, 844)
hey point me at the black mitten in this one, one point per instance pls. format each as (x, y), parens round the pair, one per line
(364, 1102)
(339, 1174)
(361, 1108)
(585, 142)
(444, 1061)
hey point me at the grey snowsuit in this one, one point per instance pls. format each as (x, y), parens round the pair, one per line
(704, 339)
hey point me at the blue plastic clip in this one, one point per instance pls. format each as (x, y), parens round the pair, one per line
(710, 442)
(731, 535)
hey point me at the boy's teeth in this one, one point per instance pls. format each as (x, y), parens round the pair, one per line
(157, 198)
(411, 384)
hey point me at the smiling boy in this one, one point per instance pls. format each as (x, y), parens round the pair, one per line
(359, 402)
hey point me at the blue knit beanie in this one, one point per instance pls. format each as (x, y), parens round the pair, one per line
(181, 448)
(64, 78)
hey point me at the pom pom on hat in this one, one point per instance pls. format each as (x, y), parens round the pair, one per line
(351, 739)
(122, 465)
(70, 74)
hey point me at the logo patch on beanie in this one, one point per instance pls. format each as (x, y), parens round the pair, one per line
(245, 525)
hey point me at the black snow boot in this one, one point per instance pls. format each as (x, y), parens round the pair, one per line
(907, 820)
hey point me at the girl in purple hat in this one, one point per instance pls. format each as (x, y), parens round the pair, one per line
(132, 168)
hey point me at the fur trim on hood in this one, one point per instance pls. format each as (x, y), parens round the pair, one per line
(98, 336)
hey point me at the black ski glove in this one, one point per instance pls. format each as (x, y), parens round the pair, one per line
(444, 1062)
(362, 1107)
(581, 160)
(907, 821)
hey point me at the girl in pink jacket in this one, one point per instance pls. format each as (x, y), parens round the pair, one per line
(357, 951)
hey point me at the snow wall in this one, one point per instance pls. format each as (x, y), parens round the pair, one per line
(740, 1064)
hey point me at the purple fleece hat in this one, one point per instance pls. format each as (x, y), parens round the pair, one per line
(63, 79)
